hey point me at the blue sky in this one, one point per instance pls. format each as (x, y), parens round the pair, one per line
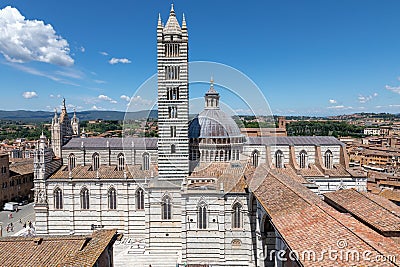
(307, 57)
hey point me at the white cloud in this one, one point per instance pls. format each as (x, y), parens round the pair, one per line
(332, 101)
(83, 49)
(138, 100)
(340, 107)
(94, 107)
(55, 96)
(104, 97)
(125, 97)
(394, 89)
(29, 95)
(103, 53)
(23, 40)
(365, 99)
(119, 60)
(70, 73)
(107, 98)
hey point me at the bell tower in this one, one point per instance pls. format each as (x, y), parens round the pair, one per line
(173, 95)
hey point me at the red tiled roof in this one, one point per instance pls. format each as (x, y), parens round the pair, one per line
(365, 208)
(55, 250)
(306, 223)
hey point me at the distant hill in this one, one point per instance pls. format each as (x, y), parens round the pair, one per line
(45, 116)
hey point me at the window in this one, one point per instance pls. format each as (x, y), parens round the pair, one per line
(279, 159)
(166, 208)
(146, 161)
(140, 199)
(202, 216)
(95, 161)
(173, 93)
(112, 199)
(71, 161)
(302, 159)
(328, 158)
(121, 162)
(237, 216)
(172, 112)
(254, 158)
(172, 50)
(58, 199)
(84, 198)
(173, 131)
(172, 72)
(173, 149)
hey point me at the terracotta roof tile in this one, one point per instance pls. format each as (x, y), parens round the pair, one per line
(365, 208)
(305, 222)
(55, 250)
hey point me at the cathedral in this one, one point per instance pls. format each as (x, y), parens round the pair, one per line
(186, 197)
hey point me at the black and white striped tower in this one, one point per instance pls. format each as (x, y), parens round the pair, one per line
(173, 95)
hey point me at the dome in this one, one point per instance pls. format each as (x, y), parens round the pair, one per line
(213, 123)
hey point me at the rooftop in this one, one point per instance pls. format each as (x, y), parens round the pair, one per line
(294, 140)
(55, 250)
(113, 143)
(365, 207)
(305, 222)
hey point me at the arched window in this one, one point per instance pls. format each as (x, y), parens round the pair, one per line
(237, 216)
(254, 158)
(202, 216)
(279, 159)
(328, 158)
(166, 208)
(303, 159)
(121, 162)
(95, 161)
(71, 161)
(140, 199)
(173, 149)
(146, 161)
(112, 198)
(84, 198)
(58, 199)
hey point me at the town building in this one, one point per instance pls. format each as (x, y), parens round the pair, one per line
(189, 196)
(372, 131)
(95, 249)
(16, 179)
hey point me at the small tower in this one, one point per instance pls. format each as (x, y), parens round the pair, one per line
(42, 157)
(211, 97)
(56, 135)
(61, 130)
(173, 95)
(75, 125)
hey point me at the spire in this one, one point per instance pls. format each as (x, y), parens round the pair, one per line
(55, 115)
(184, 22)
(74, 114)
(212, 97)
(211, 90)
(159, 24)
(172, 25)
(64, 107)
